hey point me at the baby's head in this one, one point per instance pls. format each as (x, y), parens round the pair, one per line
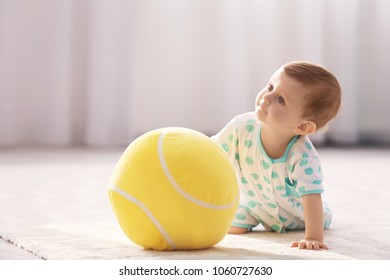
(323, 101)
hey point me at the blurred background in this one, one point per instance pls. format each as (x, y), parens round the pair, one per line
(102, 72)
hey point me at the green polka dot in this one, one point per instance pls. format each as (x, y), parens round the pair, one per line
(271, 205)
(280, 188)
(259, 204)
(283, 219)
(244, 181)
(290, 226)
(266, 165)
(250, 127)
(240, 216)
(231, 137)
(303, 162)
(317, 182)
(319, 169)
(307, 144)
(255, 176)
(237, 156)
(260, 187)
(274, 175)
(267, 180)
(305, 155)
(248, 143)
(249, 160)
(251, 204)
(251, 193)
(237, 142)
(225, 147)
(266, 197)
(251, 121)
(309, 171)
(275, 227)
(290, 167)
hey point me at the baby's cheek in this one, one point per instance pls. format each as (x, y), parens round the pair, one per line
(281, 116)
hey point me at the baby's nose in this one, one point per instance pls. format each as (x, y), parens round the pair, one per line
(267, 98)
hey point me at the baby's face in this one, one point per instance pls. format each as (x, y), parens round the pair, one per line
(280, 104)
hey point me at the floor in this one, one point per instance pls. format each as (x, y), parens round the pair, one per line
(8, 251)
(80, 223)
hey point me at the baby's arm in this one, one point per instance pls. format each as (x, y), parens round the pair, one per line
(314, 223)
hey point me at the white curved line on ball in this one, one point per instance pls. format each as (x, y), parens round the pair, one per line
(147, 212)
(177, 187)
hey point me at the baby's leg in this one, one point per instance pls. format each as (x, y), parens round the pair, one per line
(327, 215)
(237, 230)
(243, 221)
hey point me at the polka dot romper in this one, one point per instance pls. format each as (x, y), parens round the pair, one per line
(271, 189)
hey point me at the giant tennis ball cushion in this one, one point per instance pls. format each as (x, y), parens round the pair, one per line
(174, 189)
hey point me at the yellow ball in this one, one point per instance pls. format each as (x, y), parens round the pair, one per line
(174, 189)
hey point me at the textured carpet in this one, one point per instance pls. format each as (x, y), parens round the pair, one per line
(54, 204)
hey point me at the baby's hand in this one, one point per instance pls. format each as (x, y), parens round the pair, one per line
(309, 244)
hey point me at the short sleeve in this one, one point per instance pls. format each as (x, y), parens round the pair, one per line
(307, 171)
(227, 138)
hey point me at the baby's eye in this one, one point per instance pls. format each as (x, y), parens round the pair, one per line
(270, 87)
(281, 100)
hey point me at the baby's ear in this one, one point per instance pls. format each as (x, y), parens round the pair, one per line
(307, 127)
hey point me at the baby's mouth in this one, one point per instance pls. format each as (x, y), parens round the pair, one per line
(262, 107)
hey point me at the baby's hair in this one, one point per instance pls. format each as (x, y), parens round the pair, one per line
(324, 99)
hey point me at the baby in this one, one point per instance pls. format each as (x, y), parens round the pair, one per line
(278, 169)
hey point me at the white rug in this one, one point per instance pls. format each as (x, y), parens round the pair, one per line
(54, 204)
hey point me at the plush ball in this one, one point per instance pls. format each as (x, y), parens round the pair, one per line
(174, 189)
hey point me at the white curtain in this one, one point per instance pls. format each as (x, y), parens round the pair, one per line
(101, 72)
